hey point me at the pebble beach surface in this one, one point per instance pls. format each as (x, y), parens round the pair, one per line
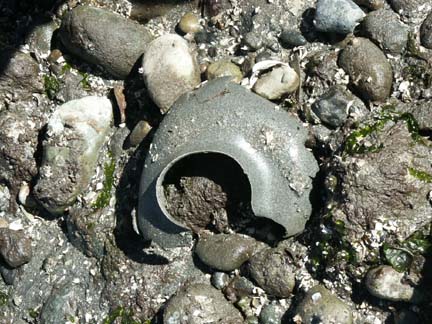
(88, 97)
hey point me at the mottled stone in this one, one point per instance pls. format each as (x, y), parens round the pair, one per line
(273, 271)
(200, 304)
(225, 252)
(386, 283)
(75, 133)
(170, 69)
(224, 68)
(278, 82)
(320, 305)
(87, 32)
(384, 28)
(370, 72)
(15, 247)
(19, 75)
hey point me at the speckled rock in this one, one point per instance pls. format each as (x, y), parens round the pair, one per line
(60, 306)
(225, 252)
(273, 271)
(87, 33)
(408, 7)
(189, 23)
(224, 68)
(370, 4)
(333, 107)
(278, 82)
(20, 125)
(321, 305)
(337, 16)
(15, 247)
(426, 32)
(384, 28)
(200, 304)
(75, 135)
(271, 314)
(370, 72)
(19, 76)
(170, 69)
(386, 283)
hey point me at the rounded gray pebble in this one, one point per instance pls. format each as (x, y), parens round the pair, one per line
(199, 304)
(15, 247)
(320, 306)
(219, 280)
(291, 38)
(273, 271)
(332, 107)
(384, 28)
(386, 283)
(87, 33)
(271, 314)
(225, 252)
(337, 16)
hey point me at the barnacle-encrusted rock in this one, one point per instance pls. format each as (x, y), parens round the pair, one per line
(75, 134)
(199, 304)
(385, 181)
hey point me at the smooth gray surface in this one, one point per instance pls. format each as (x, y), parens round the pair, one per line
(226, 118)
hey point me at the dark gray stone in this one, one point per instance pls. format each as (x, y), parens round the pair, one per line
(406, 316)
(199, 304)
(205, 121)
(87, 32)
(8, 274)
(320, 305)
(15, 247)
(332, 108)
(225, 252)
(370, 72)
(291, 38)
(239, 288)
(384, 28)
(370, 4)
(337, 16)
(426, 32)
(273, 271)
